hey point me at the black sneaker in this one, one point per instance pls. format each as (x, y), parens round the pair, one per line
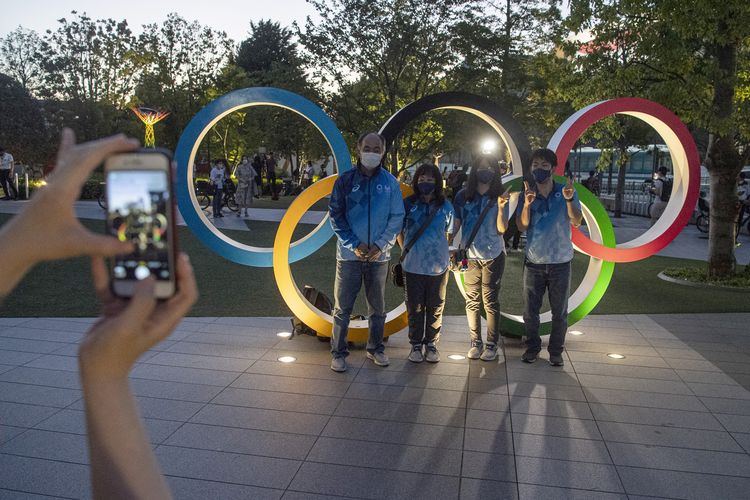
(529, 356)
(556, 360)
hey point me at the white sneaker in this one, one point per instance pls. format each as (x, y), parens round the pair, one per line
(489, 353)
(379, 358)
(338, 365)
(431, 354)
(475, 351)
(415, 356)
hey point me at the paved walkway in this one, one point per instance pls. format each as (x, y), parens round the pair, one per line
(690, 244)
(228, 420)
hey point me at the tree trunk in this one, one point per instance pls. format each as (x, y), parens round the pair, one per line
(620, 192)
(723, 161)
(725, 166)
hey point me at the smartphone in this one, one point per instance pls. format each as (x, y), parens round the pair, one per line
(140, 209)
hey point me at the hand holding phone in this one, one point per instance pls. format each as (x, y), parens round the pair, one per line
(140, 210)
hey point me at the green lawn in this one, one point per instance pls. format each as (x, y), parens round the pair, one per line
(227, 289)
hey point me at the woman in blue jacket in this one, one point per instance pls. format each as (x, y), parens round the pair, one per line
(426, 261)
(486, 254)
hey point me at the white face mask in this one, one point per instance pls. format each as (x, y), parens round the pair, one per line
(370, 160)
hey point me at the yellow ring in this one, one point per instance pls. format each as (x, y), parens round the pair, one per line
(395, 320)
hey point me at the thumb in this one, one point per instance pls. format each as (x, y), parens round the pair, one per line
(141, 305)
(526, 185)
(105, 246)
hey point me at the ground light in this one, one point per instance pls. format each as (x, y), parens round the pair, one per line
(287, 359)
(615, 356)
(284, 335)
(456, 357)
(576, 332)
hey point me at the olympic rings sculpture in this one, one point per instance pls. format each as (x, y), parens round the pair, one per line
(599, 244)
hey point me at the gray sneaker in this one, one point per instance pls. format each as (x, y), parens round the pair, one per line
(415, 356)
(476, 351)
(556, 360)
(489, 353)
(338, 365)
(379, 358)
(431, 354)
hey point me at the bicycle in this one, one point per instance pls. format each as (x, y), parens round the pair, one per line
(204, 194)
(703, 220)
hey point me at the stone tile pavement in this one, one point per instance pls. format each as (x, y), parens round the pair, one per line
(228, 420)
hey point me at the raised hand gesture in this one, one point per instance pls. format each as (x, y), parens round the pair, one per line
(529, 194)
(503, 199)
(568, 190)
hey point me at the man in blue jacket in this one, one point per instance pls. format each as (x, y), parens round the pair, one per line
(367, 213)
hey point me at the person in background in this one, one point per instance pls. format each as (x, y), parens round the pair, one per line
(271, 175)
(425, 264)
(662, 190)
(7, 169)
(323, 171)
(486, 253)
(245, 184)
(367, 213)
(123, 465)
(307, 175)
(258, 167)
(592, 182)
(546, 214)
(743, 195)
(218, 176)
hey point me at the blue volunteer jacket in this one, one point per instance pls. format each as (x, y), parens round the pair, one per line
(366, 210)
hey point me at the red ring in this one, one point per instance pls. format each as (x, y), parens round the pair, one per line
(571, 130)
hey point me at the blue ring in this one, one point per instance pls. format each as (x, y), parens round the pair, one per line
(189, 141)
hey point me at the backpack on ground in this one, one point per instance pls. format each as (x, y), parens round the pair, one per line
(317, 299)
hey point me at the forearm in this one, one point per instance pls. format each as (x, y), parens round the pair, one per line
(524, 219)
(122, 462)
(502, 221)
(574, 214)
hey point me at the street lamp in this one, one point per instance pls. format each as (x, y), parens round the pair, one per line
(488, 146)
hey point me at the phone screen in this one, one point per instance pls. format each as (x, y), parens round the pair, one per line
(138, 211)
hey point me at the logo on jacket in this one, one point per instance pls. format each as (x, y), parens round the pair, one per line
(379, 188)
(355, 188)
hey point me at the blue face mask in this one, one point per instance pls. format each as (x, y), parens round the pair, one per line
(485, 176)
(541, 175)
(426, 188)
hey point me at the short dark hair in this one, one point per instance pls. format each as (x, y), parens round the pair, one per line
(362, 138)
(434, 171)
(544, 154)
(742, 175)
(663, 170)
(592, 173)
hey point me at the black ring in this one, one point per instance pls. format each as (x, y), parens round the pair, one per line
(402, 117)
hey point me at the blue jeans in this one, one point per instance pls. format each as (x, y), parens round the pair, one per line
(538, 278)
(350, 275)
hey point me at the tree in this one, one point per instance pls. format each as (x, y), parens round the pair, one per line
(688, 56)
(18, 58)
(270, 58)
(22, 127)
(183, 61)
(90, 60)
(380, 55)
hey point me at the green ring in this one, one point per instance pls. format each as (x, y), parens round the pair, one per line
(513, 328)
